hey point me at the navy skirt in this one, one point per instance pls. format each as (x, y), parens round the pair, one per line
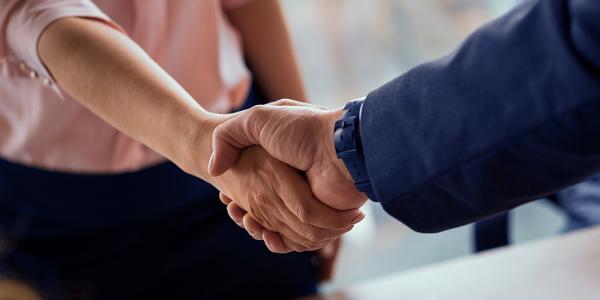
(154, 234)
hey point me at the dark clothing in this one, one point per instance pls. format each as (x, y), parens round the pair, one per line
(581, 203)
(154, 234)
(511, 116)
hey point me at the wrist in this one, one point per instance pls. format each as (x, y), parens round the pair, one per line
(330, 119)
(347, 141)
(196, 145)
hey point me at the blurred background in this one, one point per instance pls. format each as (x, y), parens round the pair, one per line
(348, 48)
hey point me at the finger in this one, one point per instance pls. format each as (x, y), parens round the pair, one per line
(293, 239)
(296, 188)
(295, 246)
(224, 199)
(303, 233)
(278, 243)
(298, 242)
(299, 199)
(236, 213)
(290, 102)
(230, 138)
(312, 233)
(289, 244)
(254, 229)
(271, 213)
(316, 213)
(274, 242)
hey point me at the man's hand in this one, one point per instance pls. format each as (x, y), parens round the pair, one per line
(298, 134)
(269, 190)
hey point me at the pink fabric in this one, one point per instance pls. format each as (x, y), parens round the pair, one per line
(42, 127)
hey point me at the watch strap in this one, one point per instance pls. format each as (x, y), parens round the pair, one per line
(348, 146)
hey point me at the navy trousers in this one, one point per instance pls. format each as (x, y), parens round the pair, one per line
(154, 234)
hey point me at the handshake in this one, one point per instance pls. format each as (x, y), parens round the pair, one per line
(278, 174)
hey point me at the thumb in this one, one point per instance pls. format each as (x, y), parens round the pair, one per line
(228, 141)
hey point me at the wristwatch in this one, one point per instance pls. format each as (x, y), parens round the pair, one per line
(348, 146)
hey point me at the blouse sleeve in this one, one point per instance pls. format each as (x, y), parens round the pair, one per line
(21, 24)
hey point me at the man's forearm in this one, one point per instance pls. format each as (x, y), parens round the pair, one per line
(268, 49)
(509, 117)
(112, 76)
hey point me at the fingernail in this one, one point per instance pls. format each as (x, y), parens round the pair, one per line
(358, 218)
(268, 244)
(211, 162)
(237, 222)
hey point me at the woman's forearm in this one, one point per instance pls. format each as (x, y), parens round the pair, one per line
(268, 49)
(108, 73)
(114, 78)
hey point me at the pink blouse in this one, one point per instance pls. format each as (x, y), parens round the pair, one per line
(43, 127)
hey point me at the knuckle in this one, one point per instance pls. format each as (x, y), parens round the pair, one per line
(219, 130)
(315, 235)
(221, 133)
(283, 102)
(257, 111)
(316, 247)
(301, 247)
(253, 121)
(263, 213)
(257, 199)
(268, 172)
(265, 205)
(305, 242)
(260, 199)
(291, 245)
(255, 207)
(310, 238)
(313, 246)
(304, 214)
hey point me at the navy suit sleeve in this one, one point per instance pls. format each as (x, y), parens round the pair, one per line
(511, 116)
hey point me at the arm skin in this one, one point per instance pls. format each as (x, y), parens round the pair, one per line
(268, 49)
(108, 73)
(113, 77)
(511, 116)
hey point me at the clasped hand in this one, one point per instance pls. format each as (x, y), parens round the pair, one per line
(296, 195)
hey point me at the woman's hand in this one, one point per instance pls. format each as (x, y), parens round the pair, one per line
(112, 76)
(269, 191)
